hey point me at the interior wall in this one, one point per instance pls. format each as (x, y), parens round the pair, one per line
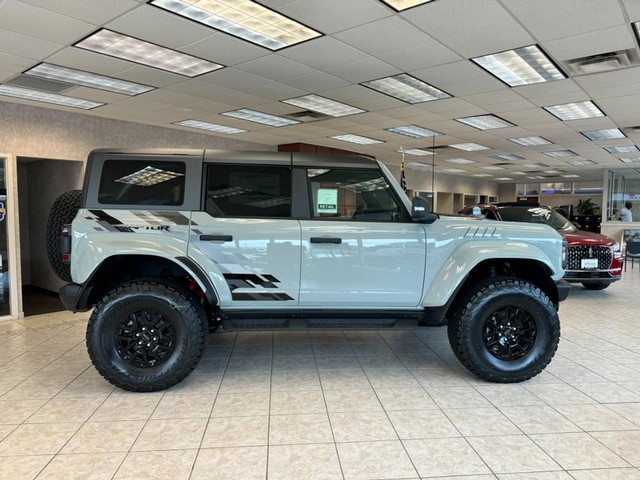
(507, 192)
(23, 205)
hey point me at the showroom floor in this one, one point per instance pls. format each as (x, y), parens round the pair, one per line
(329, 404)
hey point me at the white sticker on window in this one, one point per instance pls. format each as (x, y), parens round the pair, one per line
(327, 200)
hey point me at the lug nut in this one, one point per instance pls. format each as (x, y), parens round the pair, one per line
(155, 339)
(143, 329)
(139, 343)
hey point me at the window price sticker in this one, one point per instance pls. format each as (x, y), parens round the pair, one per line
(327, 200)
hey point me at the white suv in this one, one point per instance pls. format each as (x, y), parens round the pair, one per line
(168, 245)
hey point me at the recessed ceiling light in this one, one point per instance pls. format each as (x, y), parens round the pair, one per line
(470, 147)
(503, 178)
(416, 152)
(481, 175)
(452, 170)
(622, 149)
(418, 164)
(485, 122)
(580, 162)
(244, 19)
(211, 127)
(509, 157)
(399, 5)
(536, 177)
(553, 171)
(534, 165)
(413, 131)
(360, 140)
(407, 88)
(604, 134)
(54, 98)
(570, 175)
(324, 105)
(561, 153)
(459, 160)
(575, 111)
(139, 51)
(521, 66)
(630, 159)
(529, 141)
(492, 167)
(260, 117)
(86, 79)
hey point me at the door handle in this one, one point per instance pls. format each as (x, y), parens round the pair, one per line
(216, 238)
(334, 240)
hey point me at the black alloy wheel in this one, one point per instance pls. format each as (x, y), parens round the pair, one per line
(145, 339)
(510, 333)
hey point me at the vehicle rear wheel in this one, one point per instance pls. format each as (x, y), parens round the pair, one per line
(507, 331)
(63, 211)
(146, 336)
(596, 286)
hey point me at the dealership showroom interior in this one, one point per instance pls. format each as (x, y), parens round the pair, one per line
(319, 239)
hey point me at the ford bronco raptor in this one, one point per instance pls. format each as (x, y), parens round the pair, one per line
(168, 245)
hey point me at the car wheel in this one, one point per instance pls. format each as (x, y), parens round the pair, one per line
(63, 211)
(507, 331)
(147, 335)
(596, 286)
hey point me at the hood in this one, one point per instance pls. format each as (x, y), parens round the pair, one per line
(580, 237)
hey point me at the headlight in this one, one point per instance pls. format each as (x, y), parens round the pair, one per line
(616, 247)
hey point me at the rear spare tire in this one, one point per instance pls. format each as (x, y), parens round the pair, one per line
(63, 211)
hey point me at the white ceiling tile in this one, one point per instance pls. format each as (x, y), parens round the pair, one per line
(275, 67)
(234, 79)
(141, 103)
(200, 88)
(633, 9)
(351, 93)
(95, 95)
(243, 99)
(383, 102)
(364, 70)
(89, 61)
(276, 91)
(150, 76)
(323, 53)
(549, 89)
(95, 12)
(591, 43)
(613, 79)
(316, 82)
(26, 46)
(412, 58)
(225, 49)
(13, 63)
(460, 78)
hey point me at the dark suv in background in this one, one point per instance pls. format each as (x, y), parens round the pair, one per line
(593, 259)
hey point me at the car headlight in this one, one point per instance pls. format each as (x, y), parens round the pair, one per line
(616, 247)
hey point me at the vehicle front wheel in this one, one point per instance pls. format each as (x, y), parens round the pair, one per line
(146, 336)
(507, 331)
(596, 285)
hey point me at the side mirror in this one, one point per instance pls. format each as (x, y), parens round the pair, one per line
(420, 211)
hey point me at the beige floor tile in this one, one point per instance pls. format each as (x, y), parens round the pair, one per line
(196, 385)
(606, 474)
(343, 379)
(375, 460)
(457, 397)
(512, 454)
(364, 400)
(17, 411)
(180, 434)
(291, 336)
(297, 380)
(578, 451)
(338, 362)
(96, 437)
(391, 379)
(34, 388)
(230, 404)
(299, 429)
(536, 476)
(559, 394)
(248, 365)
(536, 419)
(38, 438)
(89, 384)
(246, 463)
(291, 402)
(6, 429)
(254, 338)
(66, 410)
(625, 444)
(236, 432)
(83, 466)
(245, 383)
(414, 424)
(211, 366)
(164, 465)
(630, 411)
(405, 399)
(304, 462)
(361, 426)
(438, 377)
(592, 418)
(292, 349)
(293, 364)
(508, 395)
(22, 467)
(183, 406)
(481, 421)
(130, 407)
(607, 392)
(257, 350)
(380, 362)
(444, 456)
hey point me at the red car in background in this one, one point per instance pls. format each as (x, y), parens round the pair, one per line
(593, 259)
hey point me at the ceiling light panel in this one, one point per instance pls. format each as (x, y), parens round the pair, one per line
(604, 134)
(470, 147)
(418, 164)
(211, 127)
(350, 137)
(400, 5)
(517, 173)
(413, 131)
(418, 152)
(54, 98)
(492, 167)
(630, 160)
(460, 161)
(522, 66)
(622, 149)
(244, 19)
(575, 111)
(570, 175)
(561, 153)
(452, 170)
(530, 141)
(323, 105)
(481, 175)
(485, 122)
(534, 177)
(260, 117)
(580, 162)
(407, 88)
(135, 50)
(509, 157)
(504, 178)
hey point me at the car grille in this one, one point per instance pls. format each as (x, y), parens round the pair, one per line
(575, 254)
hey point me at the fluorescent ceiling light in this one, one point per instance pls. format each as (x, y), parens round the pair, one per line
(553, 171)
(316, 103)
(460, 161)
(580, 162)
(135, 50)
(38, 96)
(418, 152)
(399, 5)
(418, 164)
(470, 147)
(260, 117)
(575, 111)
(570, 175)
(529, 141)
(561, 153)
(211, 127)
(630, 160)
(536, 177)
(521, 66)
(509, 157)
(622, 149)
(604, 134)
(481, 175)
(244, 19)
(86, 79)
(407, 88)
(452, 170)
(350, 137)
(485, 122)
(149, 176)
(413, 131)
(534, 165)
(517, 173)
(503, 178)
(492, 167)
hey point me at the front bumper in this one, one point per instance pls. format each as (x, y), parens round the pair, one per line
(564, 288)
(592, 276)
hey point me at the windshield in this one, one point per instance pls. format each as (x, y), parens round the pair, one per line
(536, 215)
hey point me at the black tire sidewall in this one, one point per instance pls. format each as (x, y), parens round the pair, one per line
(63, 211)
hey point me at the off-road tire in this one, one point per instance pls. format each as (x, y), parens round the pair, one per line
(174, 304)
(467, 329)
(63, 211)
(596, 285)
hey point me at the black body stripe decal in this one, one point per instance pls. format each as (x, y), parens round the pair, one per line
(102, 215)
(175, 217)
(261, 296)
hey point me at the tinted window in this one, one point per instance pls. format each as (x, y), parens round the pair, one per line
(352, 194)
(536, 215)
(244, 191)
(142, 182)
